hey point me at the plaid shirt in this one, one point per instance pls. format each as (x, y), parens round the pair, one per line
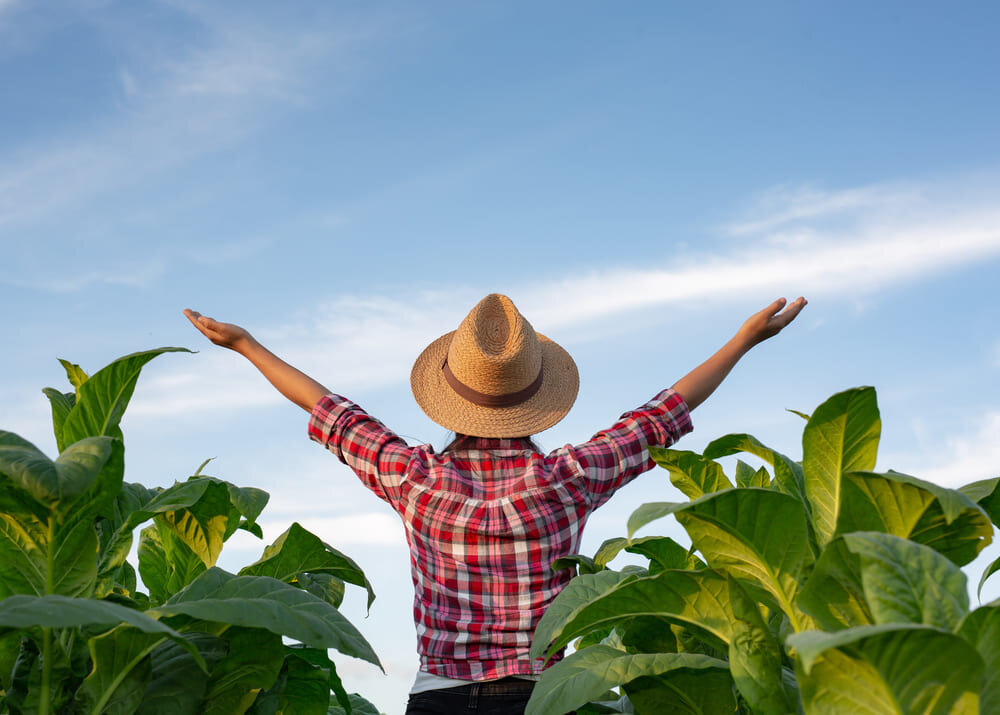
(484, 524)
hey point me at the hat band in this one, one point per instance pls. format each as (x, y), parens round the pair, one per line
(482, 399)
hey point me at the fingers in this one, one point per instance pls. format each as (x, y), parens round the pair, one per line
(791, 311)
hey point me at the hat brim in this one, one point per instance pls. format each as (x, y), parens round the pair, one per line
(555, 397)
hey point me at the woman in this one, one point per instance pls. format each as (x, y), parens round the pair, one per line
(486, 517)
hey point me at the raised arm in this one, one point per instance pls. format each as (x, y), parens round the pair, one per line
(697, 385)
(290, 382)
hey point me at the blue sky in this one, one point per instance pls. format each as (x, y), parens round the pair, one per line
(348, 179)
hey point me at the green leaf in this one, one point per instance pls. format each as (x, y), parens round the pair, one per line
(842, 436)
(908, 582)
(696, 599)
(253, 663)
(22, 612)
(664, 553)
(322, 585)
(260, 601)
(759, 536)
(944, 519)
(74, 373)
(302, 688)
(121, 669)
(300, 551)
(755, 656)
(651, 511)
(990, 570)
(588, 674)
(981, 628)
(55, 485)
(177, 685)
(788, 474)
(986, 493)
(321, 659)
(706, 691)
(576, 596)
(576, 564)
(62, 404)
(101, 400)
(359, 706)
(166, 563)
(747, 476)
(691, 473)
(891, 668)
(833, 595)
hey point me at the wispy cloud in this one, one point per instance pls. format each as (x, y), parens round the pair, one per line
(961, 459)
(175, 108)
(371, 342)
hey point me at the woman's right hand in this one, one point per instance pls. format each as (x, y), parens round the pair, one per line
(226, 335)
(770, 321)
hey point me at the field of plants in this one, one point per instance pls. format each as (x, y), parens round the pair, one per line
(816, 586)
(77, 636)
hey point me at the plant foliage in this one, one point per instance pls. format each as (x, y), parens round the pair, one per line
(76, 633)
(816, 586)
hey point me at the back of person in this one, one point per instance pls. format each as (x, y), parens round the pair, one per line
(485, 521)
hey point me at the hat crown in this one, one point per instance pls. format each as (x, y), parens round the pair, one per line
(495, 350)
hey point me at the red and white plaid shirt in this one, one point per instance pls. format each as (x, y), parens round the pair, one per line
(485, 523)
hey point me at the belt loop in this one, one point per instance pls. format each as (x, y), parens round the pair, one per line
(474, 697)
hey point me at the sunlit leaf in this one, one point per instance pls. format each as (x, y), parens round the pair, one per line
(694, 475)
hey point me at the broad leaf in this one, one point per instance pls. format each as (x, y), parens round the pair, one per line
(322, 585)
(576, 596)
(986, 493)
(262, 602)
(300, 551)
(166, 563)
(841, 436)
(696, 599)
(944, 519)
(691, 473)
(300, 689)
(177, 685)
(62, 404)
(253, 663)
(833, 595)
(893, 668)
(908, 582)
(664, 553)
(651, 511)
(359, 706)
(706, 691)
(101, 400)
(788, 475)
(755, 656)
(588, 674)
(747, 476)
(26, 612)
(981, 628)
(120, 671)
(759, 536)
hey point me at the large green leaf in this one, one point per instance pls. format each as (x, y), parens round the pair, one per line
(588, 674)
(944, 519)
(695, 599)
(651, 511)
(253, 663)
(986, 493)
(833, 595)
(55, 485)
(705, 691)
(359, 706)
(908, 582)
(301, 688)
(755, 656)
(901, 668)
(788, 474)
(166, 563)
(300, 551)
(20, 613)
(102, 399)
(982, 629)
(691, 473)
(121, 669)
(62, 404)
(263, 602)
(759, 536)
(841, 436)
(177, 685)
(577, 595)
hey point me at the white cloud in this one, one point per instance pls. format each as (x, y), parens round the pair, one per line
(957, 459)
(178, 107)
(371, 342)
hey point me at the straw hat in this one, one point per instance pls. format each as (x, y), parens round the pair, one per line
(495, 376)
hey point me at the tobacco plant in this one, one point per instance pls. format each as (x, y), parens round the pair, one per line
(77, 635)
(816, 586)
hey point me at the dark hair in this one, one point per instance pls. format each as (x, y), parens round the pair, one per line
(464, 441)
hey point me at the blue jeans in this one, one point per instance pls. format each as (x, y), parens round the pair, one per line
(506, 696)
